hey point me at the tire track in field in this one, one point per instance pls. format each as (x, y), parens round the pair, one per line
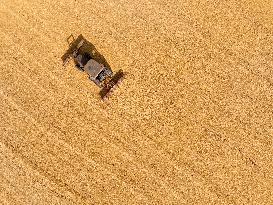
(17, 192)
(51, 139)
(7, 186)
(20, 145)
(21, 172)
(5, 190)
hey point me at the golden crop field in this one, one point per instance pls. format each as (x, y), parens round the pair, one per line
(191, 124)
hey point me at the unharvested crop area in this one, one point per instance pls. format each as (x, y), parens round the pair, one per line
(191, 124)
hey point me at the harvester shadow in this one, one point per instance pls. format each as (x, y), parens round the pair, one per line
(87, 47)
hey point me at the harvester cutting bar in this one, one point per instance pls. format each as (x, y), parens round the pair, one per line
(109, 88)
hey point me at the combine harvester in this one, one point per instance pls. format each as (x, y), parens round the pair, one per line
(100, 74)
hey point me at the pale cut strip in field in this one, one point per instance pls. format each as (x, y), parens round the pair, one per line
(191, 124)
